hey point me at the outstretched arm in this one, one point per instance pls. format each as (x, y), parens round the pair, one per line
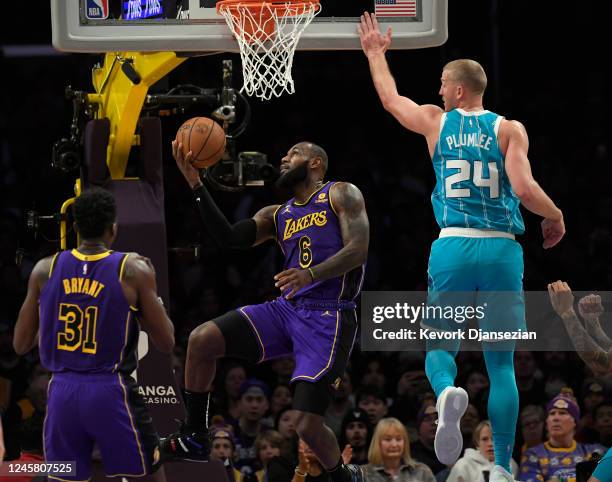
(26, 328)
(422, 119)
(590, 309)
(243, 234)
(348, 203)
(595, 357)
(531, 195)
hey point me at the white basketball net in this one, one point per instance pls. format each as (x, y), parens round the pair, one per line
(268, 38)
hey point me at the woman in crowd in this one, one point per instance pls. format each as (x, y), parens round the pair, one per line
(389, 456)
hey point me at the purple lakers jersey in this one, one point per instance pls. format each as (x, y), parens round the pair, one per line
(309, 233)
(86, 322)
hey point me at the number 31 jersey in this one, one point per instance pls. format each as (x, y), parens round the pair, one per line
(309, 233)
(86, 322)
(472, 188)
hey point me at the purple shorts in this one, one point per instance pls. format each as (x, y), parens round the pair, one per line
(319, 334)
(103, 410)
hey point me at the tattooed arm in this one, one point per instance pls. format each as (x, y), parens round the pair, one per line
(590, 309)
(596, 358)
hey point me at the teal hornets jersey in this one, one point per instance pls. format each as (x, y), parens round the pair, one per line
(472, 188)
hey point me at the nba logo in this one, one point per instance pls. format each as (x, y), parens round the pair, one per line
(97, 9)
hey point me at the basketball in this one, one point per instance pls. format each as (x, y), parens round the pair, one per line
(204, 138)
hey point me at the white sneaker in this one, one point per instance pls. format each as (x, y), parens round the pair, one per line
(451, 406)
(499, 474)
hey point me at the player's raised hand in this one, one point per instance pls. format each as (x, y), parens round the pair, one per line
(590, 307)
(292, 280)
(373, 42)
(561, 297)
(190, 173)
(552, 230)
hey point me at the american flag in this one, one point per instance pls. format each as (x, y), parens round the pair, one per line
(395, 8)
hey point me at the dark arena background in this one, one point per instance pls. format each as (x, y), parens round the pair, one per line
(546, 66)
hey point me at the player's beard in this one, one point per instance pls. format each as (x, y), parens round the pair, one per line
(289, 179)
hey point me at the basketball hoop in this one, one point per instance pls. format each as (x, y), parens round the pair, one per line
(268, 34)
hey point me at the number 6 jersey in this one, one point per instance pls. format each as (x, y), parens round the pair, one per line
(86, 322)
(309, 233)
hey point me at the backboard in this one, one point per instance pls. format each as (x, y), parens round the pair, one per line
(195, 26)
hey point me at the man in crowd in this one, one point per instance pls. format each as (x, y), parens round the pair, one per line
(558, 456)
(372, 400)
(423, 449)
(357, 432)
(254, 395)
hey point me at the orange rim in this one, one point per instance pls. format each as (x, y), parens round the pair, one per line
(256, 5)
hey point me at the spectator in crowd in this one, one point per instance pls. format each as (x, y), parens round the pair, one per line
(423, 449)
(411, 386)
(254, 404)
(281, 399)
(271, 449)
(286, 421)
(356, 431)
(283, 369)
(232, 379)
(557, 457)
(222, 448)
(558, 374)
(531, 423)
(372, 400)
(592, 395)
(340, 405)
(602, 414)
(469, 422)
(531, 390)
(374, 373)
(389, 456)
(476, 381)
(476, 464)
(309, 469)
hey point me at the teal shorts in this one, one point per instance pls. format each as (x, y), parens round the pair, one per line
(484, 272)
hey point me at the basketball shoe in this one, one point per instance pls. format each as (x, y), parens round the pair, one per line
(185, 444)
(451, 406)
(499, 474)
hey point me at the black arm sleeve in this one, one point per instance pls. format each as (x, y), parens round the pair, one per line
(240, 235)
